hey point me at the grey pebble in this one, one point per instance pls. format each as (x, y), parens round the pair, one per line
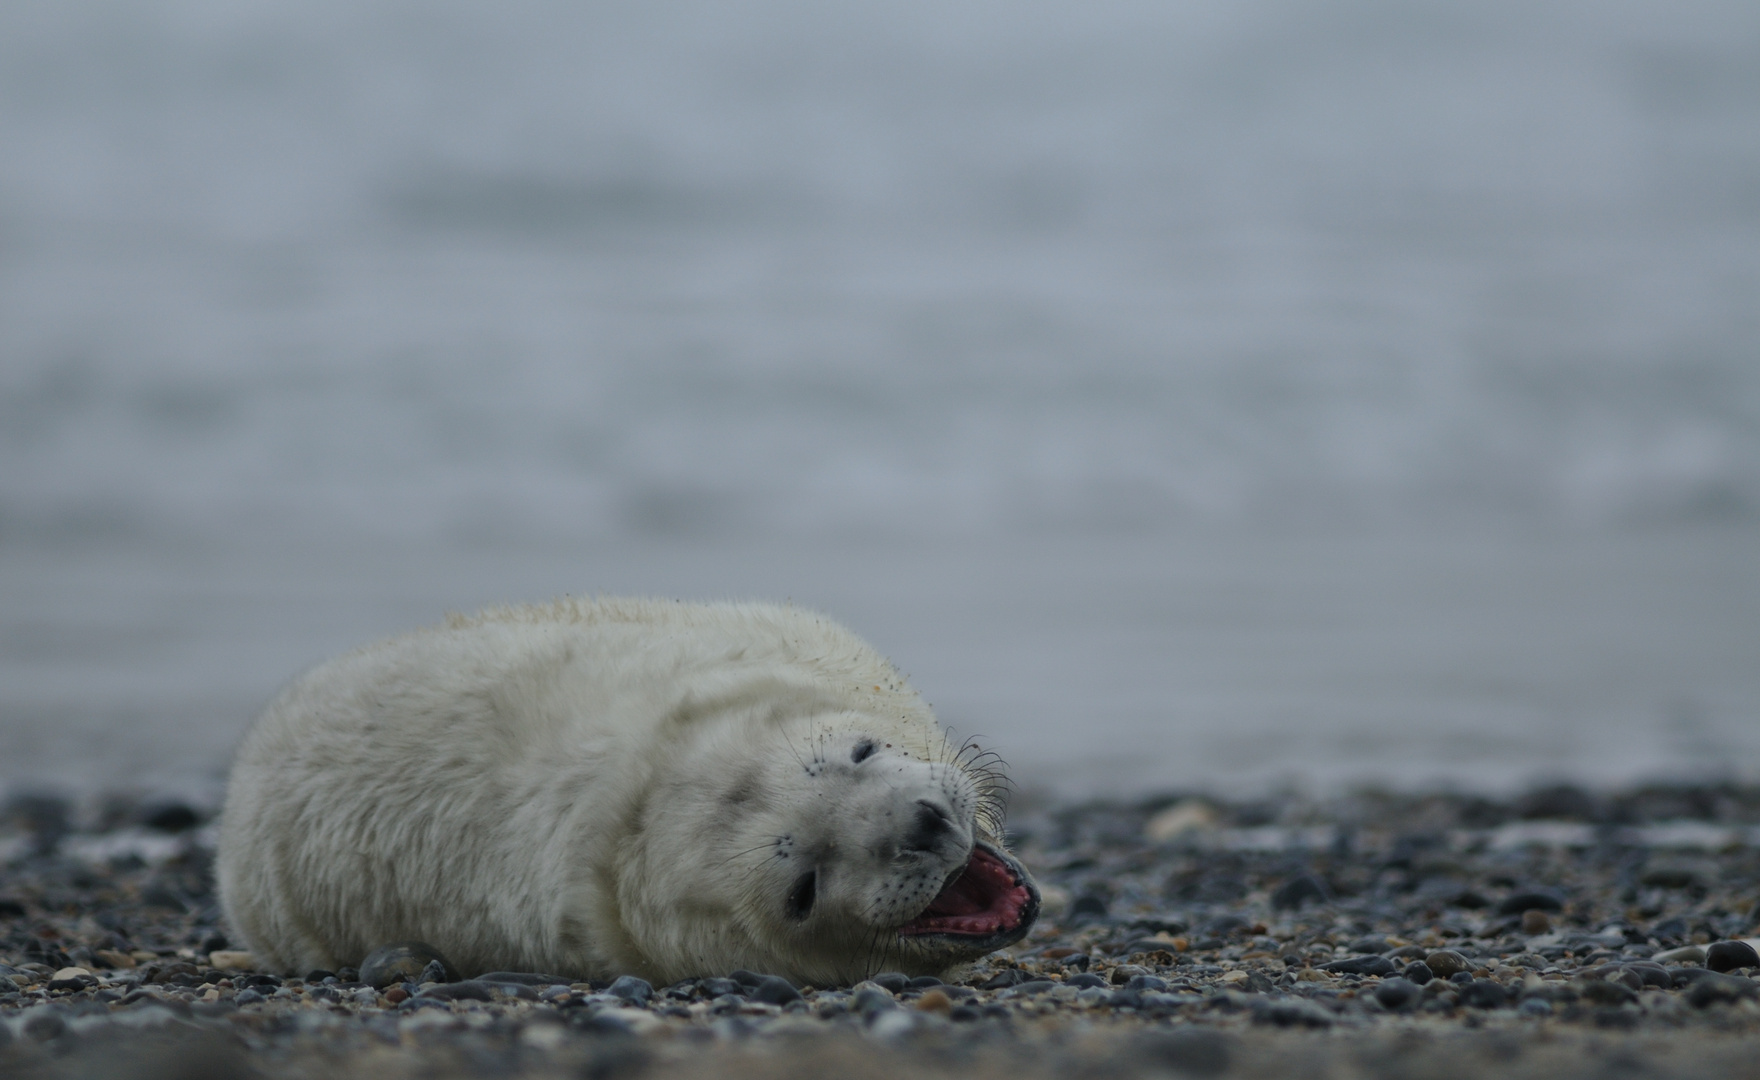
(468, 990)
(869, 1000)
(1530, 900)
(631, 989)
(1602, 992)
(1307, 889)
(775, 990)
(1397, 993)
(1713, 987)
(1418, 972)
(897, 982)
(1361, 965)
(1730, 955)
(405, 961)
(1484, 994)
(1291, 1012)
(523, 978)
(1446, 962)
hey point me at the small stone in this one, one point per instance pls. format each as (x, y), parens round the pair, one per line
(1686, 954)
(896, 982)
(1187, 815)
(1293, 894)
(870, 999)
(396, 995)
(1085, 980)
(1535, 1007)
(1651, 974)
(406, 961)
(1419, 972)
(775, 990)
(522, 978)
(1290, 1012)
(468, 990)
(1602, 992)
(1444, 963)
(114, 960)
(72, 978)
(1535, 921)
(1484, 994)
(1713, 987)
(892, 1025)
(1146, 982)
(1397, 994)
(1535, 899)
(252, 997)
(1361, 965)
(1719, 956)
(1087, 908)
(631, 989)
(935, 1001)
(231, 960)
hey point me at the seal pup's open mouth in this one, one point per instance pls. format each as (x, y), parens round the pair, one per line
(988, 904)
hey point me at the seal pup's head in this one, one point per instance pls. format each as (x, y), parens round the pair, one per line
(848, 846)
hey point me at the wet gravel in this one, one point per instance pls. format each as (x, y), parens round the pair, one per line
(1562, 933)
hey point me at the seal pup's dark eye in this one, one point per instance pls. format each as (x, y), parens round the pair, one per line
(863, 751)
(800, 898)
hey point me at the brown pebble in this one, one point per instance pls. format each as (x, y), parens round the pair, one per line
(1445, 962)
(396, 995)
(935, 1001)
(1535, 921)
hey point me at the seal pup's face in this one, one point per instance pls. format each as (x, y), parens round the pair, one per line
(843, 855)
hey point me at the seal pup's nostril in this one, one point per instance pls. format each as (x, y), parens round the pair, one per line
(932, 823)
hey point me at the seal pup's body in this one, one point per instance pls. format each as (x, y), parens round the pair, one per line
(599, 788)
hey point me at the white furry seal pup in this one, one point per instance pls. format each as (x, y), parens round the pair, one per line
(618, 786)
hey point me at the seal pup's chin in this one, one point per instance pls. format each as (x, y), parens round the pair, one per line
(989, 903)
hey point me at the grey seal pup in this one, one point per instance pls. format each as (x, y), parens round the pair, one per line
(597, 788)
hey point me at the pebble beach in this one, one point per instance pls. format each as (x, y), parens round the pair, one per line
(1559, 933)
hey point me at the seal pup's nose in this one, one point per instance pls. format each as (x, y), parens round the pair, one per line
(933, 824)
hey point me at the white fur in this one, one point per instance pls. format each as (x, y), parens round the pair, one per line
(595, 788)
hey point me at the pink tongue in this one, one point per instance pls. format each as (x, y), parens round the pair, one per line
(975, 890)
(982, 900)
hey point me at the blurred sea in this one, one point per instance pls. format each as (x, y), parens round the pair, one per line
(1198, 394)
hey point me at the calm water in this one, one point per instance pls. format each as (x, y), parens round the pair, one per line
(1183, 394)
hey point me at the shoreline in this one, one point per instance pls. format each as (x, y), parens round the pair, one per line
(1560, 932)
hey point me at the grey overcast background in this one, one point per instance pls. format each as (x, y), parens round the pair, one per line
(1185, 395)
